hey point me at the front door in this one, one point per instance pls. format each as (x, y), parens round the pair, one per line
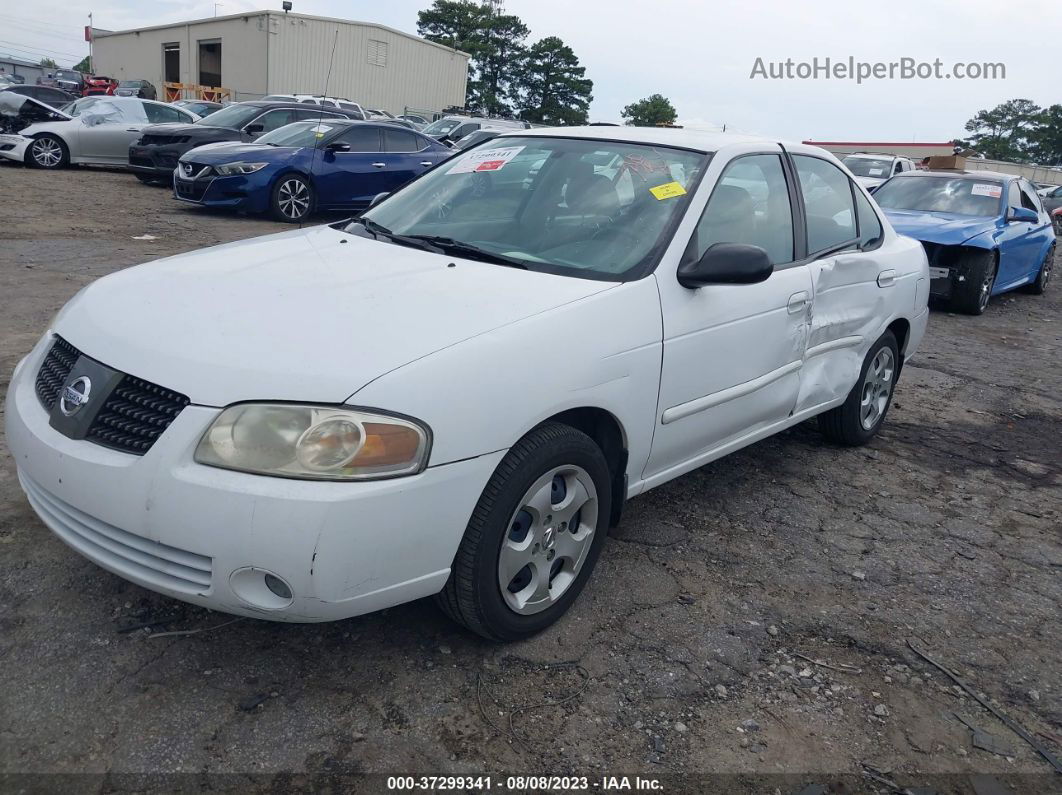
(108, 128)
(352, 177)
(732, 353)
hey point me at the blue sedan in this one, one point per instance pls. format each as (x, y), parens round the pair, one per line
(984, 233)
(300, 168)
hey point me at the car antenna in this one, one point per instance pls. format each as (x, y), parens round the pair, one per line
(320, 113)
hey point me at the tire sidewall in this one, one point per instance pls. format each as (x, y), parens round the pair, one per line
(852, 404)
(64, 157)
(274, 198)
(501, 619)
(1043, 278)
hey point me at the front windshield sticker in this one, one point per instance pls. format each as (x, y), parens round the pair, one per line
(992, 191)
(668, 190)
(876, 172)
(485, 160)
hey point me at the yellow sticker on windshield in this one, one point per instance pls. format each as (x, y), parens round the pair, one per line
(668, 190)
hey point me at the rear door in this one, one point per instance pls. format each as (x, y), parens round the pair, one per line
(406, 155)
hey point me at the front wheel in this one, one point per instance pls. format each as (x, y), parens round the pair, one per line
(292, 199)
(971, 295)
(48, 151)
(534, 536)
(855, 421)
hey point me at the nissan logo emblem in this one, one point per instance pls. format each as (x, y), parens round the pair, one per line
(74, 395)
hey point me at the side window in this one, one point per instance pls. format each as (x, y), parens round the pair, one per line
(1028, 199)
(870, 231)
(162, 113)
(306, 114)
(898, 167)
(400, 141)
(828, 202)
(750, 204)
(362, 139)
(1013, 195)
(274, 119)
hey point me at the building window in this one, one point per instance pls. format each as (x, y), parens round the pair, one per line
(377, 52)
(171, 62)
(210, 62)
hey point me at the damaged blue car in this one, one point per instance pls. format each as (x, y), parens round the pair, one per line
(985, 233)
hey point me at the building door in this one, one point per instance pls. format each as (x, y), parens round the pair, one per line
(210, 62)
(171, 62)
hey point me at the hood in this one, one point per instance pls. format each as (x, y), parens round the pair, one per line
(308, 315)
(18, 112)
(225, 152)
(949, 229)
(199, 131)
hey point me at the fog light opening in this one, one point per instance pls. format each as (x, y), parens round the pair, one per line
(277, 586)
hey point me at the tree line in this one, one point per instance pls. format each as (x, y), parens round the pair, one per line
(1017, 130)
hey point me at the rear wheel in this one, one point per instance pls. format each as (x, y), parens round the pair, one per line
(292, 200)
(1039, 286)
(534, 536)
(971, 295)
(858, 419)
(47, 151)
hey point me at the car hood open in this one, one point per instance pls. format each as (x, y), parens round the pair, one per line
(309, 315)
(19, 112)
(949, 229)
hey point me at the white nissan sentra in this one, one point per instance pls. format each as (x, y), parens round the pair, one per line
(455, 394)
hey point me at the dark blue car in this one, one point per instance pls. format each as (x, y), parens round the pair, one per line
(984, 233)
(332, 164)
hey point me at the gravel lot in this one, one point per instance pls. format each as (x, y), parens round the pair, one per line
(690, 652)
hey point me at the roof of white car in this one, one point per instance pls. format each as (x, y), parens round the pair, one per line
(664, 136)
(993, 176)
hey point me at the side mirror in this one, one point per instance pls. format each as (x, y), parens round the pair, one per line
(379, 197)
(727, 263)
(1022, 215)
(254, 129)
(338, 146)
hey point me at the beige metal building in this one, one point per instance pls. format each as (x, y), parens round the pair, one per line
(270, 52)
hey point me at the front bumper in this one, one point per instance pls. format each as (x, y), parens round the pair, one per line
(207, 536)
(241, 192)
(157, 161)
(13, 147)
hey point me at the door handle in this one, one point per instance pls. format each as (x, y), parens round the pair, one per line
(797, 301)
(133, 129)
(426, 163)
(379, 165)
(887, 278)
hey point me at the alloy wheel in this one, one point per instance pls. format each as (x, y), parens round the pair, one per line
(1049, 263)
(294, 199)
(986, 288)
(877, 387)
(47, 152)
(548, 539)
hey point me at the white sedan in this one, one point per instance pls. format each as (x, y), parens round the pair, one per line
(93, 130)
(456, 394)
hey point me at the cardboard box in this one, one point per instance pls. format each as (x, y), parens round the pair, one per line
(947, 162)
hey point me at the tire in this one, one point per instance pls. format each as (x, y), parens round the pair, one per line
(971, 296)
(48, 152)
(1039, 286)
(848, 423)
(292, 199)
(506, 528)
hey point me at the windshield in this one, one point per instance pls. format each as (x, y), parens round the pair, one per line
(941, 195)
(869, 166)
(233, 116)
(441, 127)
(301, 133)
(128, 84)
(596, 209)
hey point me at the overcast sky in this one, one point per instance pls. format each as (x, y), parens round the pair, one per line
(700, 54)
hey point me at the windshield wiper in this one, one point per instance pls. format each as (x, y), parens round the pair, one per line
(450, 246)
(378, 231)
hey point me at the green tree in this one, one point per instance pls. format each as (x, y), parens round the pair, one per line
(48, 63)
(1003, 132)
(83, 65)
(552, 86)
(494, 42)
(649, 112)
(1046, 139)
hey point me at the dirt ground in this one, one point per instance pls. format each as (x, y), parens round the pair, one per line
(746, 629)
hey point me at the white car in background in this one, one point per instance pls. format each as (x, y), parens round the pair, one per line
(93, 130)
(467, 382)
(312, 99)
(873, 168)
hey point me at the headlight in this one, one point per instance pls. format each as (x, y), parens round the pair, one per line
(239, 167)
(314, 442)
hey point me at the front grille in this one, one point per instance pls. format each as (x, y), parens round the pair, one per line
(54, 370)
(162, 140)
(190, 190)
(131, 555)
(133, 415)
